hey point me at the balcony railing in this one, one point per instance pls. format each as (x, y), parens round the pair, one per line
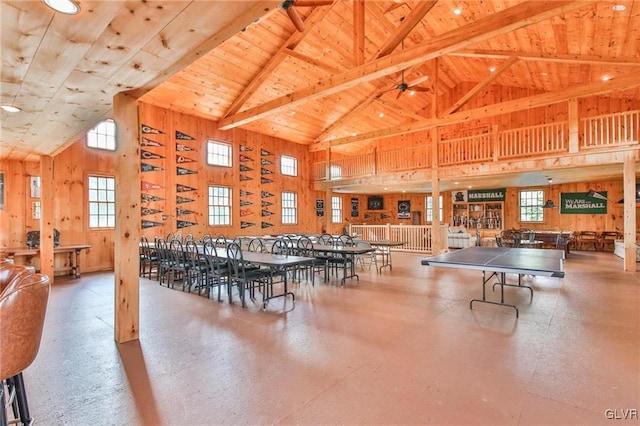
(599, 132)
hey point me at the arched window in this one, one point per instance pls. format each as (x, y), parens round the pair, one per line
(103, 135)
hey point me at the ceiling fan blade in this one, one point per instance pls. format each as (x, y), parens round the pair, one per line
(312, 3)
(421, 89)
(400, 92)
(296, 20)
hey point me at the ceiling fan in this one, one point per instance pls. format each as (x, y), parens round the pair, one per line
(289, 6)
(413, 85)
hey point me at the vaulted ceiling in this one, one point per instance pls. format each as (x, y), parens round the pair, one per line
(245, 64)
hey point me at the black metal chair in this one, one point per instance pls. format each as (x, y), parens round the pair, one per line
(217, 271)
(242, 278)
(305, 248)
(148, 259)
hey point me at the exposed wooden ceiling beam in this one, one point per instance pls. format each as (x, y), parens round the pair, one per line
(358, 32)
(599, 88)
(541, 57)
(316, 16)
(409, 22)
(400, 110)
(502, 22)
(480, 86)
(255, 12)
(320, 64)
(346, 117)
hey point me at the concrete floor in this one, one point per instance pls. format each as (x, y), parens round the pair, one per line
(400, 347)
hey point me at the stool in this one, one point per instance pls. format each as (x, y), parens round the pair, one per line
(23, 305)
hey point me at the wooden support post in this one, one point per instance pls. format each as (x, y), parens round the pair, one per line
(495, 140)
(127, 235)
(574, 124)
(437, 243)
(47, 219)
(629, 182)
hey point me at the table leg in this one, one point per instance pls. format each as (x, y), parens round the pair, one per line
(501, 280)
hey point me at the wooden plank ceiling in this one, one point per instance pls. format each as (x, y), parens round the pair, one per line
(337, 80)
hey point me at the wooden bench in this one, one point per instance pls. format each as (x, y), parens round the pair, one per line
(73, 252)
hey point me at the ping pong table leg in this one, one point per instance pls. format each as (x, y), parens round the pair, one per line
(501, 279)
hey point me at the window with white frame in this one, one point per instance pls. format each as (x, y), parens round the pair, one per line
(219, 154)
(428, 200)
(219, 205)
(103, 136)
(336, 209)
(289, 208)
(102, 201)
(531, 203)
(288, 165)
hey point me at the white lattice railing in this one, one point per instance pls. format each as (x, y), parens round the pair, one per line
(533, 140)
(610, 129)
(417, 238)
(469, 149)
(414, 157)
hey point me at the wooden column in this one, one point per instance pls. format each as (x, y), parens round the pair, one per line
(127, 235)
(437, 243)
(47, 219)
(629, 182)
(574, 124)
(327, 193)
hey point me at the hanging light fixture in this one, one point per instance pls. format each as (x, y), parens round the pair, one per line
(549, 204)
(68, 7)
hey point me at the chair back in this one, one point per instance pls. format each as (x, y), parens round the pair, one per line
(305, 246)
(236, 261)
(325, 240)
(280, 246)
(23, 306)
(10, 273)
(256, 245)
(346, 239)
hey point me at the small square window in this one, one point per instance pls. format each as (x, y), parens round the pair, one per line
(219, 154)
(288, 166)
(103, 136)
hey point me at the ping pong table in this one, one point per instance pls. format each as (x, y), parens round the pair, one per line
(499, 261)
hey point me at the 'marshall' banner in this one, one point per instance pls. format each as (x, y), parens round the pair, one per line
(582, 203)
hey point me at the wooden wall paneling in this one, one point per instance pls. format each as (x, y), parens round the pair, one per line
(630, 219)
(187, 216)
(12, 217)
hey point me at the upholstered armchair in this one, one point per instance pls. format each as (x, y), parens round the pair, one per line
(458, 237)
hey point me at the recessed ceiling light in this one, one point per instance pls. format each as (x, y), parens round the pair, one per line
(10, 108)
(381, 115)
(456, 183)
(457, 11)
(469, 186)
(492, 69)
(619, 7)
(606, 78)
(292, 112)
(412, 93)
(544, 74)
(68, 7)
(386, 188)
(354, 134)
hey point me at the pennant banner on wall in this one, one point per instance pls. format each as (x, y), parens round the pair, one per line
(265, 153)
(244, 193)
(145, 186)
(266, 225)
(184, 188)
(181, 159)
(146, 212)
(147, 198)
(148, 130)
(266, 213)
(265, 194)
(183, 212)
(244, 178)
(266, 203)
(266, 162)
(244, 148)
(182, 147)
(245, 212)
(144, 167)
(149, 142)
(149, 224)
(246, 224)
(181, 171)
(244, 168)
(184, 137)
(148, 155)
(244, 203)
(245, 159)
(183, 224)
(266, 180)
(182, 200)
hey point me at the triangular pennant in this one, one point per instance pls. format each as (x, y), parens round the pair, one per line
(145, 211)
(184, 188)
(245, 177)
(244, 203)
(182, 200)
(265, 194)
(183, 147)
(266, 213)
(183, 224)
(145, 186)
(244, 193)
(148, 155)
(265, 153)
(184, 137)
(245, 212)
(149, 224)
(266, 162)
(144, 167)
(264, 171)
(265, 180)
(167, 216)
(181, 171)
(266, 203)
(245, 159)
(150, 130)
(244, 168)
(246, 224)
(149, 142)
(147, 198)
(244, 148)
(266, 225)
(182, 159)
(367, 216)
(183, 212)
(385, 216)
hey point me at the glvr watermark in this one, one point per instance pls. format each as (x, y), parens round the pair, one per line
(621, 413)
